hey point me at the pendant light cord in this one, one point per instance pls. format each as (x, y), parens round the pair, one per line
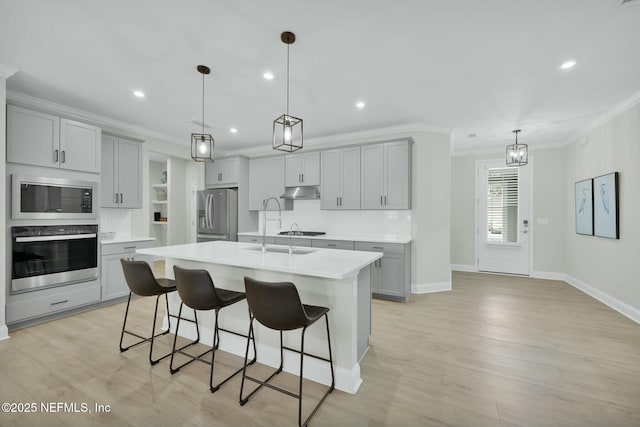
(288, 82)
(203, 103)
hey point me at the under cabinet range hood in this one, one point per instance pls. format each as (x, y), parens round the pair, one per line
(301, 193)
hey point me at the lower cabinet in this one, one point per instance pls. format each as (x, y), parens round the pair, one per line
(31, 305)
(113, 283)
(256, 239)
(391, 274)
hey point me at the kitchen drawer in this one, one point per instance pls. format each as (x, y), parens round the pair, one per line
(125, 247)
(333, 244)
(387, 248)
(256, 239)
(81, 294)
(295, 241)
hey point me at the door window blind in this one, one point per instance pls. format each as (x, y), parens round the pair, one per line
(502, 205)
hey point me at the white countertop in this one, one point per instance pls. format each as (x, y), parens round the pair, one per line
(127, 239)
(327, 263)
(388, 238)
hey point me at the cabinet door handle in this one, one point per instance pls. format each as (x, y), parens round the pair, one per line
(302, 177)
(380, 263)
(120, 197)
(380, 200)
(378, 247)
(220, 176)
(129, 247)
(331, 245)
(340, 201)
(60, 302)
(337, 201)
(55, 156)
(385, 200)
(116, 197)
(64, 157)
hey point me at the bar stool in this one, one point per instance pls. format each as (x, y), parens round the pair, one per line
(142, 282)
(277, 306)
(197, 291)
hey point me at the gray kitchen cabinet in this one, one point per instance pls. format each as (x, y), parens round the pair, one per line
(256, 239)
(266, 179)
(391, 274)
(340, 177)
(41, 139)
(121, 177)
(333, 244)
(295, 241)
(221, 172)
(386, 176)
(302, 169)
(113, 282)
(32, 305)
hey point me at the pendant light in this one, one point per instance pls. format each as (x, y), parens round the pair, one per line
(202, 143)
(287, 130)
(517, 154)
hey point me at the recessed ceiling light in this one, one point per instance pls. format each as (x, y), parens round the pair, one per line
(233, 130)
(568, 64)
(268, 75)
(138, 93)
(360, 104)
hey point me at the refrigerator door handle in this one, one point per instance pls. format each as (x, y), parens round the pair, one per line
(210, 210)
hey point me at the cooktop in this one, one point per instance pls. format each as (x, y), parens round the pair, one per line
(301, 233)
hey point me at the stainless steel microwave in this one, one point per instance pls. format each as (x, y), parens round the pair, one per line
(52, 198)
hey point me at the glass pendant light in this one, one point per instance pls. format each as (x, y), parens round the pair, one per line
(287, 129)
(202, 143)
(517, 154)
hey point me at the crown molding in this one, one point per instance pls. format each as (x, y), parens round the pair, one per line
(28, 101)
(349, 138)
(7, 71)
(613, 112)
(501, 149)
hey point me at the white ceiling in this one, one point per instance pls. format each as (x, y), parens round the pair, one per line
(483, 67)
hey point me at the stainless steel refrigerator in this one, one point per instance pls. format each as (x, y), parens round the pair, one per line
(217, 215)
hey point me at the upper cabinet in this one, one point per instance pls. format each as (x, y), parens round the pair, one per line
(386, 176)
(302, 169)
(41, 139)
(340, 179)
(266, 179)
(221, 172)
(121, 178)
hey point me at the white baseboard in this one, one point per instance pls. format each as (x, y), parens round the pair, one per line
(464, 267)
(549, 275)
(427, 288)
(346, 380)
(612, 302)
(4, 332)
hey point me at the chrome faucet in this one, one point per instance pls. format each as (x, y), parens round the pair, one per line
(265, 203)
(291, 247)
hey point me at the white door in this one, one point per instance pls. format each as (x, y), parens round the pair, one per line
(503, 217)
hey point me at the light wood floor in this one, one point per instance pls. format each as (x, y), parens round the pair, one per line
(495, 351)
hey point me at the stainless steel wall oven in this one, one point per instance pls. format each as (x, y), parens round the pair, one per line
(47, 256)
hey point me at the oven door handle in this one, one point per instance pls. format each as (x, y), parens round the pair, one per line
(56, 237)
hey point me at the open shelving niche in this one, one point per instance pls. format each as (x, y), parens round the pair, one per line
(159, 198)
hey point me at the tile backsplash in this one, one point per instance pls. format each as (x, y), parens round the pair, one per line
(115, 220)
(309, 217)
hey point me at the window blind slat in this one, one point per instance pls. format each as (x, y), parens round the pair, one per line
(502, 205)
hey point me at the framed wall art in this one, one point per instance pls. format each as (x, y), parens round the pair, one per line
(605, 206)
(584, 207)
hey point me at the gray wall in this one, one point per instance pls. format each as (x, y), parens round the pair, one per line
(3, 203)
(548, 240)
(606, 264)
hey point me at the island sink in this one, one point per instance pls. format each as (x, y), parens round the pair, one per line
(282, 250)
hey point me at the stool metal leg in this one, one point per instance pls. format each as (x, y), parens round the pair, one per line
(180, 350)
(298, 396)
(216, 342)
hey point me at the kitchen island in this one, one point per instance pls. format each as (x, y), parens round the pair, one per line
(338, 279)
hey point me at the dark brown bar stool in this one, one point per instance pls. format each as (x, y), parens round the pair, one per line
(141, 282)
(197, 291)
(277, 306)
